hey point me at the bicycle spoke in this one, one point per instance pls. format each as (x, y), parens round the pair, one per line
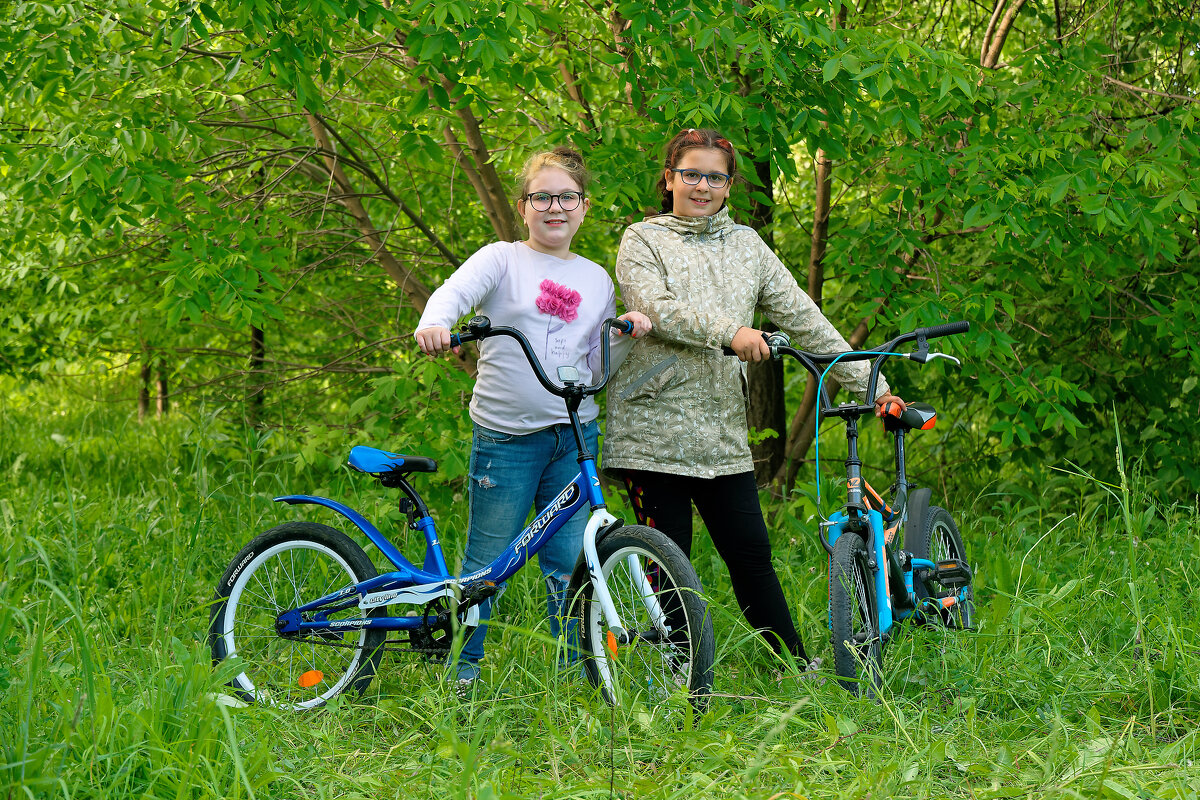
(267, 603)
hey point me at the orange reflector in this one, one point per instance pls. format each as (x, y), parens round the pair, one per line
(611, 643)
(311, 678)
(948, 601)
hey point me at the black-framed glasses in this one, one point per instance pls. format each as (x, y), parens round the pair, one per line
(716, 180)
(567, 201)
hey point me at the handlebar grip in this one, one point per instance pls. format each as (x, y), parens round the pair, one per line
(477, 328)
(623, 325)
(774, 340)
(948, 329)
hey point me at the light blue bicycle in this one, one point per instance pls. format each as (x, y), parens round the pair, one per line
(888, 561)
(307, 615)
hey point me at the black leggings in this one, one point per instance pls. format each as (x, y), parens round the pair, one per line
(730, 509)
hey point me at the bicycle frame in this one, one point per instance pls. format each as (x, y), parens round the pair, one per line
(410, 584)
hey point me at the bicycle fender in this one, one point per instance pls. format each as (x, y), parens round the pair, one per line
(918, 509)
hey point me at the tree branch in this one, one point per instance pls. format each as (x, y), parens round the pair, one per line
(409, 284)
(1130, 87)
(993, 40)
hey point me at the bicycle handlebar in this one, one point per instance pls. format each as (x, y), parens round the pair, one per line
(780, 345)
(480, 327)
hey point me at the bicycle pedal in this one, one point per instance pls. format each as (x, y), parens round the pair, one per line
(952, 573)
(478, 592)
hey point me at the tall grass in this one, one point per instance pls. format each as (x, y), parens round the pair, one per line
(1083, 679)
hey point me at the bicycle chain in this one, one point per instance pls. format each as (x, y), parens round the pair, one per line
(440, 615)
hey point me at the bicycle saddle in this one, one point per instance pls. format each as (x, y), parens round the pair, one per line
(376, 462)
(917, 416)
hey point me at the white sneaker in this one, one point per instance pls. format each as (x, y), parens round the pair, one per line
(464, 688)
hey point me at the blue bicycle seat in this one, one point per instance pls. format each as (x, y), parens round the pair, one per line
(376, 462)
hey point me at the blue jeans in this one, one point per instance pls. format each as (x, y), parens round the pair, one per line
(509, 473)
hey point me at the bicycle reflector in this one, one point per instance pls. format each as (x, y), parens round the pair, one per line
(611, 644)
(311, 678)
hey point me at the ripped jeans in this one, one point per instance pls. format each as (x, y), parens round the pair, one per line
(510, 473)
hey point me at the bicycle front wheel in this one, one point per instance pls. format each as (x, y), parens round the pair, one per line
(286, 567)
(939, 541)
(857, 649)
(669, 648)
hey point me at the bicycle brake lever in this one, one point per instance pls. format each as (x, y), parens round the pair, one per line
(931, 356)
(923, 356)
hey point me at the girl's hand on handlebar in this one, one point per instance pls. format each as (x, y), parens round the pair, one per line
(641, 323)
(748, 345)
(435, 341)
(882, 401)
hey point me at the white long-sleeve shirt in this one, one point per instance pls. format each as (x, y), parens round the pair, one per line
(558, 304)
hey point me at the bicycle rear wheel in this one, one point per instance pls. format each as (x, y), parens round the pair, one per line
(647, 575)
(857, 649)
(939, 541)
(288, 566)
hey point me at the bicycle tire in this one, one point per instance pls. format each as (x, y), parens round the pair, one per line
(857, 647)
(650, 668)
(940, 540)
(283, 568)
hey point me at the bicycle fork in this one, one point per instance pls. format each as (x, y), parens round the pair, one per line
(599, 520)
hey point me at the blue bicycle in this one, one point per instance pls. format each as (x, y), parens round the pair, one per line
(874, 581)
(308, 616)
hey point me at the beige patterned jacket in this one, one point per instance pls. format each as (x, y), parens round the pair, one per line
(677, 404)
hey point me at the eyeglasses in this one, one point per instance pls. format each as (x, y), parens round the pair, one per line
(567, 201)
(716, 180)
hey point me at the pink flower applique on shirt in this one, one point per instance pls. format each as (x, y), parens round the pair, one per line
(562, 302)
(558, 301)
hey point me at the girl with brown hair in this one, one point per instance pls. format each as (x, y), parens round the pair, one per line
(676, 429)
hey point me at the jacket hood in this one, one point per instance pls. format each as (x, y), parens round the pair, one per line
(717, 224)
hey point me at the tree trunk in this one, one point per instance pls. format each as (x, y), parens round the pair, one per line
(803, 427)
(800, 431)
(143, 404)
(163, 398)
(820, 232)
(257, 387)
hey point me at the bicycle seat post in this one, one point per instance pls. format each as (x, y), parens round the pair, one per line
(854, 493)
(900, 498)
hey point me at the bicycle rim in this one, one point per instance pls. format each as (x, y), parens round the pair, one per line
(659, 661)
(292, 672)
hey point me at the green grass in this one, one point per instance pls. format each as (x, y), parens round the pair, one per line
(1083, 679)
